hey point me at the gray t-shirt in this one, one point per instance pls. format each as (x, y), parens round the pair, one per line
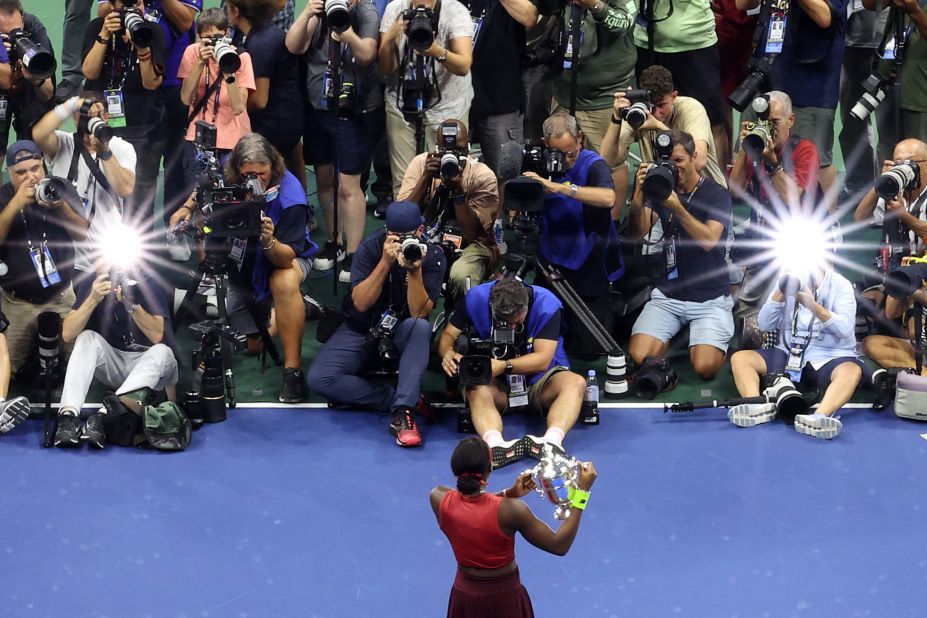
(368, 82)
(454, 22)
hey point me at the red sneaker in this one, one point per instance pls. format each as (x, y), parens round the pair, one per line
(403, 426)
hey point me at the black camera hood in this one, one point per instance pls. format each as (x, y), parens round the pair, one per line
(524, 194)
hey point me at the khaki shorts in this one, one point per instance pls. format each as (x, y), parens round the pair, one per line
(534, 391)
(20, 335)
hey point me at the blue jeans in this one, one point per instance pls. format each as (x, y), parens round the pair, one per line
(334, 372)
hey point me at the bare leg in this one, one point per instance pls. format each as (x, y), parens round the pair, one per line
(747, 366)
(352, 207)
(641, 346)
(485, 403)
(889, 351)
(706, 360)
(562, 397)
(290, 313)
(843, 383)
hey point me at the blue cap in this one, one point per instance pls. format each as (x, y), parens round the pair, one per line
(22, 150)
(403, 217)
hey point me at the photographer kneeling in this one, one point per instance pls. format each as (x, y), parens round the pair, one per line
(459, 197)
(119, 328)
(533, 371)
(395, 282)
(278, 260)
(694, 212)
(814, 315)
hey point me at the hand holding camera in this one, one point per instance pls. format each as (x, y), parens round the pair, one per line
(267, 230)
(450, 362)
(314, 8)
(101, 288)
(112, 24)
(26, 193)
(391, 249)
(549, 187)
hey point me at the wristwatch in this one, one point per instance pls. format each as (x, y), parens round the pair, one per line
(508, 367)
(105, 155)
(442, 58)
(230, 79)
(102, 41)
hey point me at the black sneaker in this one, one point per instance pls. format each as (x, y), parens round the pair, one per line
(534, 447)
(314, 309)
(344, 276)
(402, 425)
(294, 386)
(328, 256)
(68, 433)
(509, 453)
(94, 432)
(383, 203)
(13, 412)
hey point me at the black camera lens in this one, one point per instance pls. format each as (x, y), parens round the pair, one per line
(659, 183)
(901, 177)
(37, 60)
(99, 129)
(419, 29)
(139, 29)
(412, 250)
(338, 15)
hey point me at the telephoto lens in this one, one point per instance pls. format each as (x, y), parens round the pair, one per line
(139, 30)
(901, 177)
(338, 15)
(636, 115)
(789, 402)
(790, 284)
(37, 60)
(450, 166)
(874, 91)
(97, 127)
(49, 190)
(48, 325)
(902, 282)
(412, 249)
(226, 56)
(419, 29)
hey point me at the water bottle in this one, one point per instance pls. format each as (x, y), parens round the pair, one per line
(500, 241)
(590, 411)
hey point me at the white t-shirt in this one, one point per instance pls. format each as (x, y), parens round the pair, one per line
(454, 22)
(106, 209)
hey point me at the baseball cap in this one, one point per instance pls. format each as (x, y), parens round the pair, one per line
(403, 217)
(22, 150)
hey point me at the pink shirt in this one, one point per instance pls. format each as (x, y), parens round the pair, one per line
(230, 127)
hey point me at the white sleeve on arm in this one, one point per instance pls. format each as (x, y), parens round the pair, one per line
(843, 310)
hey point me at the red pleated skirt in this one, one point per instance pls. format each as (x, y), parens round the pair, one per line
(500, 597)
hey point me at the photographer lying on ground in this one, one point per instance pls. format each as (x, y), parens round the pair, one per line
(523, 323)
(277, 254)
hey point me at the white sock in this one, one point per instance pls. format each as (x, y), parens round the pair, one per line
(493, 438)
(554, 435)
(2, 399)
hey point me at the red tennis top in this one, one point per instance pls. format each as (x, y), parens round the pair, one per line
(472, 526)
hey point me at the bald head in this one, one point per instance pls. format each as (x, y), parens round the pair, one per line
(910, 149)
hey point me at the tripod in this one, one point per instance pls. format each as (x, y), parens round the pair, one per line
(337, 78)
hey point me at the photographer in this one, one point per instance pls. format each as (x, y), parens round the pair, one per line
(665, 111)
(37, 245)
(275, 106)
(577, 234)
(349, 123)
(909, 206)
(99, 165)
(468, 200)
(12, 411)
(279, 260)
(535, 371)
(119, 327)
(498, 56)
(447, 89)
(124, 58)
(814, 316)
(27, 97)
(213, 95)
(695, 289)
(808, 70)
(386, 316)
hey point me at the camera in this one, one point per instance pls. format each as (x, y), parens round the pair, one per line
(140, 31)
(661, 179)
(475, 368)
(874, 91)
(213, 384)
(543, 161)
(653, 377)
(380, 338)
(545, 53)
(50, 190)
(420, 27)
(791, 284)
(412, 248)
(36, 59)
(903, 176)
(226, 57)
(760, 70)
(98, 128)
(641, 107)
(231, 211)
(902, 282)
(885, 384)
(338, 15)
(789, 402)
(761, 132)
(450, 155)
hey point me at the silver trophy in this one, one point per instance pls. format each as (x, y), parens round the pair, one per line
(555, 475)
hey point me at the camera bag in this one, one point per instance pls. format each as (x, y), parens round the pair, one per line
(166, 427)
(911, 397)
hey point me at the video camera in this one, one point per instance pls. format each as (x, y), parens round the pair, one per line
(761, 132)
(543, 161)
(231, 210)
(640, 108)
(140, 31)
(475, 368)
(420, 27)
(902, 282)
(36, 59)
(226, 56)
(663, 177)
(903, 176)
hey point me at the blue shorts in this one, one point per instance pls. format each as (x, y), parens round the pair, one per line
(710, 322)
(357, 137)
(776, 359)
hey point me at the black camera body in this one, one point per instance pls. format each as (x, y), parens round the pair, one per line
(40, 62)
(140, 30)
(663, 177)
(230, 211)
(547, 162)
(379, 339)
(640, 108)
(475, 367)
(421, 27)
(653, 377)
(902, 282)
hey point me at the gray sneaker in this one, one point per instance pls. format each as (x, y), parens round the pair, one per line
(818, 425)
(13, 412)
(751, 414)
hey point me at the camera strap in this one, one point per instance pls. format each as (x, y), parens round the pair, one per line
(95, 172)
(204, 101)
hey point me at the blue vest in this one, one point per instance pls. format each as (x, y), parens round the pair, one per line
(544, 306)
(564, 240)
(291, 194)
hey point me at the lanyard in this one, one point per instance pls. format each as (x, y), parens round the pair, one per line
(670, 219)
(121, 62)
(206, 87)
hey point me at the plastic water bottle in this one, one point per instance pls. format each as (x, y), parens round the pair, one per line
(590, 412)
(500, 242)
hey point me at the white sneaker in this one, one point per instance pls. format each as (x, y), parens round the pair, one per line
(13, 412)
(750, 414)
(818, 425)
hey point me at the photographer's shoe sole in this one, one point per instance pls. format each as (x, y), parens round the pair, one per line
(818, 426)
(751, 415)
(15, 411)
(508, 453)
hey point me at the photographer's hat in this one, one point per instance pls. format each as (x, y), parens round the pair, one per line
(22, 150)
(403, 217)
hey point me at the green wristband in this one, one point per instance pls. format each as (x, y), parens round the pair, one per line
(578, 498)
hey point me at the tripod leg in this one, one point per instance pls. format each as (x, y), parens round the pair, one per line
(49, 417)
